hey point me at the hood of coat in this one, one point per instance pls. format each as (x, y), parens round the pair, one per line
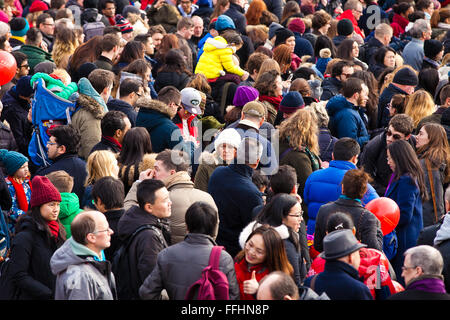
(85, 87)
(215, 43)
(337, 104)
(69, 205)
(156, 105)
(281, 229)
(177, 179)
(209, 158)
(444, 231)
(91, 105)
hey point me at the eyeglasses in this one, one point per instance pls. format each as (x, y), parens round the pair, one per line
(49, 24)
(395, 136)
(138, 94)
(406, 268)
(257, 251)
(25, 66)
(51, 143)
(298, 215)
(98, 231)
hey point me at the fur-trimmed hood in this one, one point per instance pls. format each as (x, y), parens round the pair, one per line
(281, 229)
(209, 158)
(146, 103)
(91, 105)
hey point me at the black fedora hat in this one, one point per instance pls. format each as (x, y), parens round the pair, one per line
(340, 243)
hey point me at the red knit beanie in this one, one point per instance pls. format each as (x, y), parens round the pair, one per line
(43, 191)
(37, 6)
(297, 25)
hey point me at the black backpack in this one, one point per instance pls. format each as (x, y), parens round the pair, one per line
(121, 267)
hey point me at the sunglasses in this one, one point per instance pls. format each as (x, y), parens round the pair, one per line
(394, 136)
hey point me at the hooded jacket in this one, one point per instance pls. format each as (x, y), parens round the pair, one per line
(217, 57)
(346, 121)
(156, 117)
(87, 119)
(35, 55)
(144, 249)
(80, 274)
(68, 209)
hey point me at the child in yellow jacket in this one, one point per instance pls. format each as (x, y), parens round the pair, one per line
(217, 58)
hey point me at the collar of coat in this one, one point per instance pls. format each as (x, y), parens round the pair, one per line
(156, 105)
(180, 177)
(281, 229)
(91, 105)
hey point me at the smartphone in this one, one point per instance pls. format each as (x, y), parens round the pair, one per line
(290, 77)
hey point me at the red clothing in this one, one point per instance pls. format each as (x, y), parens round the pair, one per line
(244, 272)
(370, 260)
(295, 62)
(347, 14)
(398, 24)
(193, 130)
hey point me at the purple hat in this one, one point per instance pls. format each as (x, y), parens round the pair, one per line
(243, 95)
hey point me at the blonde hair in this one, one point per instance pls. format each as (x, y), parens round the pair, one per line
(301, 130)
(267, 65)
(419, 106)
(63, 75)
(102, 163)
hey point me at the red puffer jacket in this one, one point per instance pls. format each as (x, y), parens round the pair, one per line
(244, 272)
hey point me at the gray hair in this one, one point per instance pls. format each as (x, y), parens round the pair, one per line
(420, 26)
(426, 257)
(383, 29)
(249, 151)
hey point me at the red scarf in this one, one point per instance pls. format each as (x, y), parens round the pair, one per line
(275, 101)
(20, 194)
(111, 139)
(112, 21)
(54, 228)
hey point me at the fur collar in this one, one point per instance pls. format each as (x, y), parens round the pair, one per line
(208, 158)
(281, 229)
(91, 105)
(156, 105)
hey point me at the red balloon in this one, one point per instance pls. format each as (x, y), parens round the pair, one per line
(8, 67)
(387, 211)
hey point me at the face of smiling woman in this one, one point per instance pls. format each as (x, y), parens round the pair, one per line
(255, 250)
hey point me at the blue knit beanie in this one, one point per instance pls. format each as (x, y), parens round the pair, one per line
(291, 102)
(19, 26)
(12, 160)
(224, 22)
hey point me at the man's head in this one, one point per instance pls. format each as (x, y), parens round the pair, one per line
(356, 92)
(108, 8)
(343, 246)
(190, 103)
(342, 70)
(108, 194)
(61, 180)
(356, 7)
(421, 29)
(168, 162)
(201, 218)
(34, 37)
(444, 96)
(186, 5)
(170, 96)
(45, 23)
(277, 285)
(198, 26)
(131, 90)
(185, 27)
(406, 79)
(384, 33)
(63, 139)
(253, 114)
(153, 198)
(284, 181)
(249, 152)
(346, 149)
(147, 41)
(422, 261)
(115, 124)
(400, 128)
(102, 81)
(254, 63)
(91, 229)
(22, 64)
(111, 44)
(157, 33)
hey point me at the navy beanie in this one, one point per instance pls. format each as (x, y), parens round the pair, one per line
(406, 77)
(345, 27)
(291, 102)
(23, 87)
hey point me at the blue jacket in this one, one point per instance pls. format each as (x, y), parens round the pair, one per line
(323, 186)
(235, 196)
(302, 46)
(340, 281)
(346, 121)
(407, 196)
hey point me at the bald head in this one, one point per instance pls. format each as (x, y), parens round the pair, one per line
(198, 26)
(277, 286)
(91, 229)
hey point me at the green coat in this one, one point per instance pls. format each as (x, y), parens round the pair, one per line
(69, 208)
(55, 85)
(35, 55)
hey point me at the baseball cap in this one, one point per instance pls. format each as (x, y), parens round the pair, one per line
(191, 100)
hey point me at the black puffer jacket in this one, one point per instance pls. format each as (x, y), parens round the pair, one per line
(145, 247)
(31, 250)
(331, 88)
(178, 80)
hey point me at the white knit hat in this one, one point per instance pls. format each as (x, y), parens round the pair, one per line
(228, 136)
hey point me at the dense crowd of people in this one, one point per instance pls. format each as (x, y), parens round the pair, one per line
(141, 142)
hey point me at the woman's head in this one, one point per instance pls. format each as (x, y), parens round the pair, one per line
(419, 106)
(174, 62)
(268, 65)
(226, 144)
(101, 164)
(322, 42)
(385, 56)
(269, 84)
(340, 221)
(354, 183)
(282, 209)
(135, 145)
(300, 130)
(46, 197)
(265, 246)
(290, 8)
(440, 16)
(429, 80)
(397, 104)
(199, 82)
(403, 8)
(348, 49)
(282, 55)
(140, 67)
(255, 11)
(87, 52)
(133, 50)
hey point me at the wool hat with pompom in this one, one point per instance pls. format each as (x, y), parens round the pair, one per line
(43, 191)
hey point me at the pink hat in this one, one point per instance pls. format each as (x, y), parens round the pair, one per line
(38, 5)
(297, 25)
